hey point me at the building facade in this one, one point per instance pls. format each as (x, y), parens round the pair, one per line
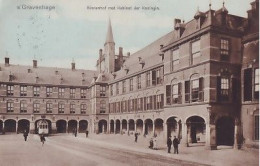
(199, 82)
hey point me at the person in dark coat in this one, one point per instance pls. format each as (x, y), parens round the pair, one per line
(86, 133)
(136, 136)
(175, 144)
(42, 139)
(75, 133)
(25, 135)
(169, 144)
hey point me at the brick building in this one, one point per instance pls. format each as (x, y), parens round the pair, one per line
(198, 82)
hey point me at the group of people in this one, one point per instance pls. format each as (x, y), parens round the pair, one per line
(175, 142)
(42, 137)
(153, 143)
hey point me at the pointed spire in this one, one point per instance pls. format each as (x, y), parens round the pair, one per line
(210, 4)
(224, 10)
(109, 38)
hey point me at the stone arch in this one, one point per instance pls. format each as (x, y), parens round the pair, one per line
(194, 76)
(139, 126)
(173, 127)
(196, 129)
(148, 127)
(131, 124)
(23, 126)
(83, 126)
(112, 126)
(225, 127)
(124, 126)
(117, 126)
(102, 126)
(72, 126)
(10, 125)
(158, 127)
(61, 126)
(36, 125)
(1, 126)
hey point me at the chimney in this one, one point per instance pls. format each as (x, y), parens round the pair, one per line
(100, 52)
(128, 54)
(120, 51)
(176, 21)
(6, 61)
(34, 63)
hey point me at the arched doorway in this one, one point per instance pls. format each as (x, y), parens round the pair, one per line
(1, 126)
(36, 125)
(158, 127)
(61, 126)
(124, 126)
(102, 126)
(72, 126)
(148, 127)
(225, 131)
(172, 127)
(83, 126)
(23, 125)
(10, 125)
(117, 126)
(139, 126)
(131, 126)
(112, 129)
(196, 129)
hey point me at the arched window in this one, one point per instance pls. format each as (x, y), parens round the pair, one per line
(194, 89)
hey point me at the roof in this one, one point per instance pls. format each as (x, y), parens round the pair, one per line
(46, 75)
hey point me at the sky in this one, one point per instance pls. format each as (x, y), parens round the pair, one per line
(71, 32)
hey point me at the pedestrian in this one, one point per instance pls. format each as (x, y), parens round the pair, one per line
(151, 143)
(169, 144)
(136, 136)
(25, 135)
(42, 139)
(175, 144)
(86, 133)
(155, 143)
(75, 133)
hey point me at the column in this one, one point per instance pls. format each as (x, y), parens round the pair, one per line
(211, 136)
(236, 134)
(109, 127)
(3, 127)
(135, 126)
(144, 129)
(153, 128)
(121, 126)
(16, 127)
(67, 127)
(103, 128)
(53, 128)
(32, 128)
(177, 128)
(115, 128)
(78, 126)
(127, 128)
(164, 131)
(184, 140)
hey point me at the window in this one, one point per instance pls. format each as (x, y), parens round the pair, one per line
(139, 104)
(102, 91)
(195, 50)
(49, 91)
(48, 108)
(102, 107)
(83, 93)
(72, 108)
(257, 127)
(23, 107)
(36, 107)
(131, 105)
(256, 84)
(72, 93)
(159, 102)
(149, 103)
(175, 58)
(248, 84)
(148, 78)
(195, 90)
(224, 49)
(139, 82)
(61, 107)
(36, 91)
(117, 106)
(224, 92)
(157, 76)
(23, 90)
(10, 90)
(124, 86)
(123, 106)
(83, 108)
(10, 106)
(131, 84)
(117, 88)
(111, 90)
(61, 92)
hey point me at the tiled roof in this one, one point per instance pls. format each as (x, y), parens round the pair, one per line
(46, 75)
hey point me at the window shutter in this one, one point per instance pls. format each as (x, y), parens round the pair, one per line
(142, 104)
(154, 77)
(201, 89)
(126, 106)
(179, 92)
(218, 88)
(145, 103)
(162, 101)
(187, 91)
(168, 94)
(248, 84)
(155, 101)
(151, 102)
(135, 104)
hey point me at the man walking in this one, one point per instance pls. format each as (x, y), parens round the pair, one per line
(42, 139)
(175, 144)
(25, 135)
(86, 133)
(169, 144)
(136, 136)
